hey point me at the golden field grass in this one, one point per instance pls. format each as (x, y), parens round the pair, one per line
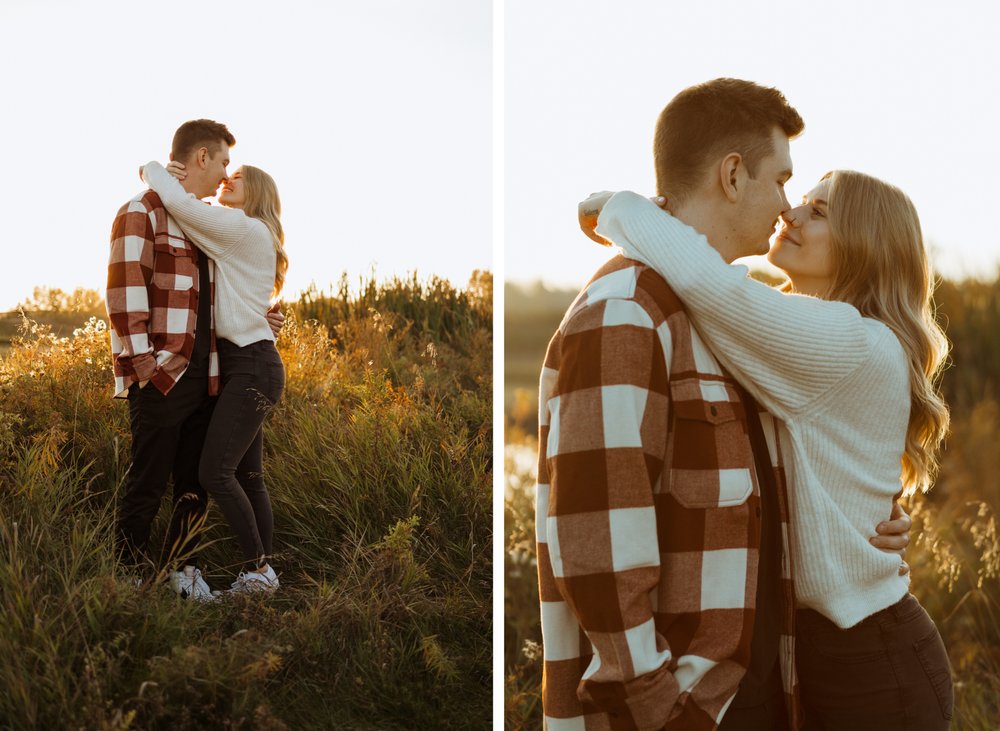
(955, 549)
(379, 466)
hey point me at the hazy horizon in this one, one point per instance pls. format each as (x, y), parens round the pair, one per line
(354, 279)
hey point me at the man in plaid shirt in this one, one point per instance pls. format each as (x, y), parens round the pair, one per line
(160, 300)
(661, 509)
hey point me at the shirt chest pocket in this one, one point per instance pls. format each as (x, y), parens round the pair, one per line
(175, 268)
(710, 460)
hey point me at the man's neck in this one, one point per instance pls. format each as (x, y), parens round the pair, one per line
(703, 216)
(191, 183)
(190, 186)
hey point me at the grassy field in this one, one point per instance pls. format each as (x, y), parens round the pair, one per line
(379, 466)
(955, 548)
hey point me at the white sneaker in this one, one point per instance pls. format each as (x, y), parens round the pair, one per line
(190, 584)
(252, 581)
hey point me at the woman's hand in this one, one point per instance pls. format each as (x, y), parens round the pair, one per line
(587, 213)
(176, 169)
(589, 210)
(275, 318)
(894, 535)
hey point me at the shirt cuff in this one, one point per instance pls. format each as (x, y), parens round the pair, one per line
(647, 700)
(144, 366)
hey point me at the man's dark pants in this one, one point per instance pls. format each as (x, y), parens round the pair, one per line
(766, 712)
(168, 433)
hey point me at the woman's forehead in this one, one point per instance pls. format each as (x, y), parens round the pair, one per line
(820, 190)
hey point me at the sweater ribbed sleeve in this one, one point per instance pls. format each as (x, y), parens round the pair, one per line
(788, 349)
(214, 229)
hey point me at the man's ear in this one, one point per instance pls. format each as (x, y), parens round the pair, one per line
(201, 157)
(732, 176)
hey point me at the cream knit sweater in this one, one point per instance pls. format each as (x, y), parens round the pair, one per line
(244, 255)
(838, 384)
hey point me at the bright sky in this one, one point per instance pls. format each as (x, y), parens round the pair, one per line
(373, 117)
(901, 90)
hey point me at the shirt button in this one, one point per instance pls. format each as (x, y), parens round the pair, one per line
(713, 410)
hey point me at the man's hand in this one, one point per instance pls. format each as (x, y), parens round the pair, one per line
(275, 318)
(894, 535)
(176, 169)
(587, 213)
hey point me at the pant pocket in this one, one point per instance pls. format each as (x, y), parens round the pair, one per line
(934, 661)
(270, 374)
(857, 645)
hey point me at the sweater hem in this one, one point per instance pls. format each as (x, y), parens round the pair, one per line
(846, 608)
(244, 338)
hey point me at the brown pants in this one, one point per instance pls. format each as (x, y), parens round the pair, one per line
(888, 672)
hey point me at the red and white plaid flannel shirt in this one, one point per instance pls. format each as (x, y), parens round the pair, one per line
(647, 517)
(152, 298)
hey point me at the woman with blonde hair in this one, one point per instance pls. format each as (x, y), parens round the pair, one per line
(846, 357)
(245, 238)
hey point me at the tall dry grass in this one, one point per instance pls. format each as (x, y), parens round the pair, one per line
(378, 464)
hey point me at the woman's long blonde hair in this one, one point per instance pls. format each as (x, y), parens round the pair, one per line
(881, 267)
(261, 201)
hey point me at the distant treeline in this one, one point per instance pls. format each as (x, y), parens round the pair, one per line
(969, 311)
(433, 306)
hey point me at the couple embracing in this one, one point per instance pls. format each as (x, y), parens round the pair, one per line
(189, 295)
(718, 538)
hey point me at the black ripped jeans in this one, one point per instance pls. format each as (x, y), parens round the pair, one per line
(232, 460)
(167, 437)
(888, 672)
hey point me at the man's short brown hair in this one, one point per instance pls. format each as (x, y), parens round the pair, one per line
(200, 133)
(707, 121)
